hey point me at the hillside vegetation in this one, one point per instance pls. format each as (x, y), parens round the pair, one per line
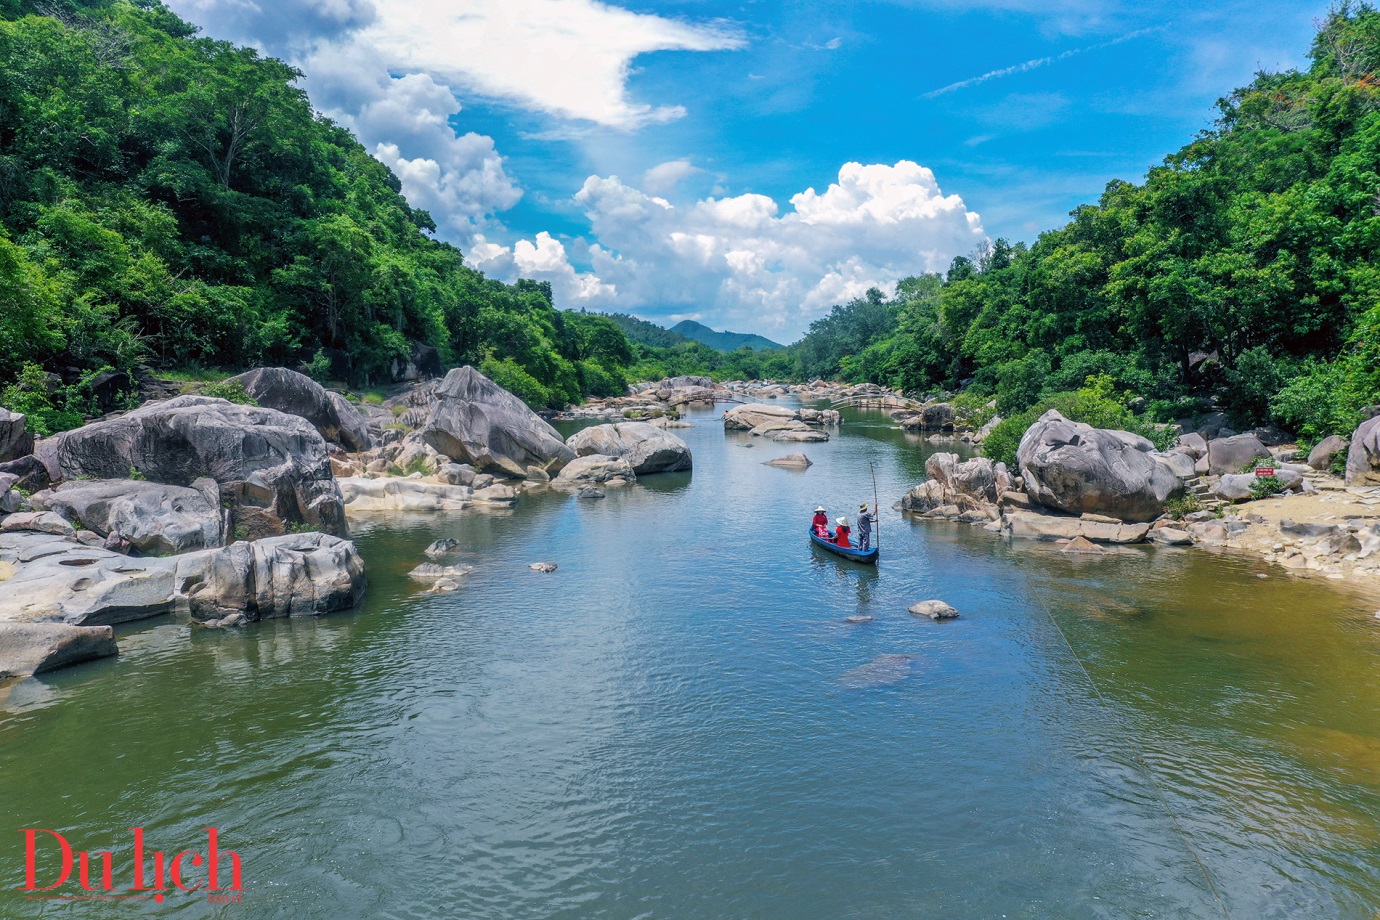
(174, 200)
(1243, 270)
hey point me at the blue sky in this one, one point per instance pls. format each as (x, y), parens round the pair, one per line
(657, 158)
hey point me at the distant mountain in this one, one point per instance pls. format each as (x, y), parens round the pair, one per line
(641, 332)
(722, 341)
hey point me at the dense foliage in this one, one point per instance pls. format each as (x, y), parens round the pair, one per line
(173, 200)
(1243, 269)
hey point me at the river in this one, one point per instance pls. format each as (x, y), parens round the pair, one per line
(679, 722)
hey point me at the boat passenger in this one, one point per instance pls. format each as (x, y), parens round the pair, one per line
(841, 533)
(865, 522)
(821, 523)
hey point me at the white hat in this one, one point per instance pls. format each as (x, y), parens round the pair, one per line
(842, 522)
(819, 509)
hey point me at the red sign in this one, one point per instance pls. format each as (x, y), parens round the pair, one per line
(1264, 471)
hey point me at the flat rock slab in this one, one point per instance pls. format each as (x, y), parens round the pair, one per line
(796, 460)
(1031, 526)
(364, 495)
(430, 571)
(33, 648)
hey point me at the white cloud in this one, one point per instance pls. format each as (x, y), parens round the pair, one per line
(663, 178)
(391, 72)
(566, 57)
(739, 262)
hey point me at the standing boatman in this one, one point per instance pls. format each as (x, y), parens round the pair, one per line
(865, 522)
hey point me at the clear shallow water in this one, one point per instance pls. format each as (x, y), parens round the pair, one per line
(678, 723)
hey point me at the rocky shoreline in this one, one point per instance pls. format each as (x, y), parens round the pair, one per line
(227, 513)
(1086, 488)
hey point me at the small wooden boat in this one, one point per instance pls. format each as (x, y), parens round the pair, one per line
(852, 553)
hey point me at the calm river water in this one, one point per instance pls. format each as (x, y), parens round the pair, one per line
(679, 723)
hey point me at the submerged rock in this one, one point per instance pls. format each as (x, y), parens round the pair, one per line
(1081, 544)
(935, 610)
(441, 547)
(546, 567)
(796, 460)
(589, 492)
(430, 571)
(884, 669)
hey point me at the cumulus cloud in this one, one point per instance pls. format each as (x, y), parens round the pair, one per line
(566, 57)
(740, 261)
(392, 71)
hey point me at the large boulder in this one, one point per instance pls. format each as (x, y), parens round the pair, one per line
(933, 417)
(1363, 459)
(302, 574)
(1233, 454)
(647, 448)
(15, 440)
(968, 486)
(156, 518)
(33, 648)
(752, 415)
(272, 468)
(1326, 450)
(476, 421)
(1075, 468)
(299, 395)
(594, 468)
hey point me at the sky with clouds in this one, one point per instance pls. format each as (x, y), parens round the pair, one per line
(750, 164)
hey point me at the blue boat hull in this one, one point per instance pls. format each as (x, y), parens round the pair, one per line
(855, 555)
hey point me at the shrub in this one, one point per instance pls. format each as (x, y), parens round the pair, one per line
(319, 367)
(514, 378)
(1320, 401)
(48, 409)
(1095, 404)
(1180, 508)
(1265, 486)
(233, 391)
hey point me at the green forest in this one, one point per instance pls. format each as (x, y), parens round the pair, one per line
(1242, 273)
(173, 202)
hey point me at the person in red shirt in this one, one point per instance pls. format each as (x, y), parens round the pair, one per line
(821, 523)
(841, 533)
